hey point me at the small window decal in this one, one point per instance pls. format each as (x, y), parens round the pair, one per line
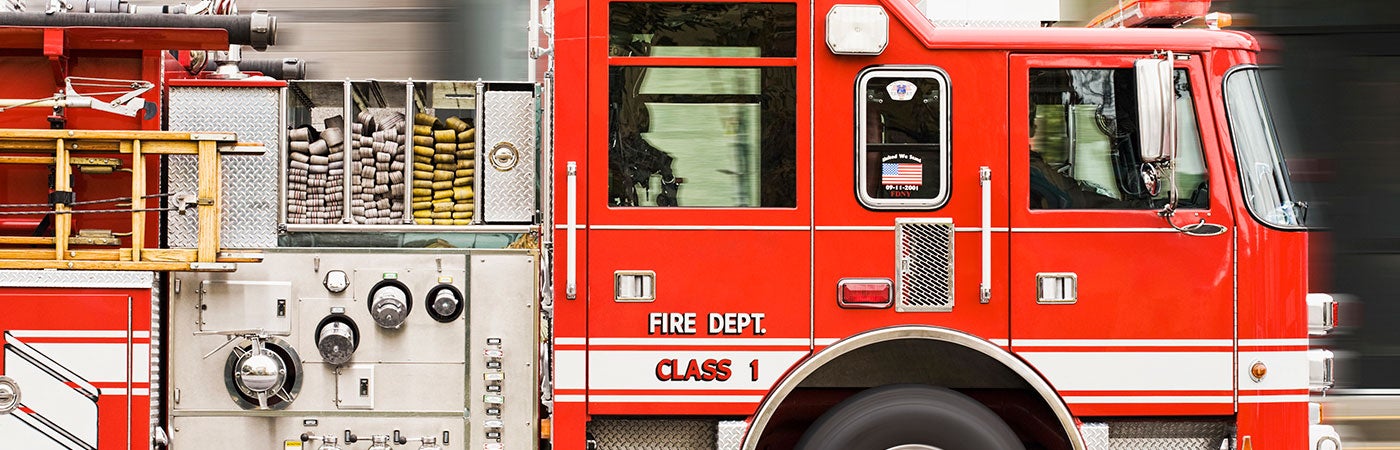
(902, 90)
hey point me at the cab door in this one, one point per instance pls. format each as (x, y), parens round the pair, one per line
(698, 249)
(1122, 313)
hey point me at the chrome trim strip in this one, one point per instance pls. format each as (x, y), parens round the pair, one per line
(810, 365)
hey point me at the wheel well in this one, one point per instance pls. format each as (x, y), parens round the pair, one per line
(914, 355)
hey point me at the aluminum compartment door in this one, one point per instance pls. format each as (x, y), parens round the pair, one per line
(509, 127)
(1122, 314)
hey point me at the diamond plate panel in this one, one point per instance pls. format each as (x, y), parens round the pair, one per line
(1133, 435)
(77, 279)
(924, 280)
(639, 434)
(508, 125)
(730, 435)
(250, 182)
(1095, 435)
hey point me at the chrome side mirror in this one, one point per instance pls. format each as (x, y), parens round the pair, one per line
(1156, 99)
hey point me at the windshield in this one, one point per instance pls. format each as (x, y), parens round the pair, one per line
(1262, 171)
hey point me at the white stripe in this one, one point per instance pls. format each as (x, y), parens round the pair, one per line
(735, 342)
(1113, 399)
(675, 398)
(1001, 342)
(569, 369)
(825, 341)
(1286, 370)
(703, 227)
(568, 399)
(1288, 398)
(1135, 371)
(139, 392)
(72, 333)
(1093, 230)
(1272, 342)
(868, 228)
(93, 362)
(568, 341)
(1121, 343)
(855, 228)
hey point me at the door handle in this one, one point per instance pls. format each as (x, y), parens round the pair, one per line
(985, 175)
(571, 227)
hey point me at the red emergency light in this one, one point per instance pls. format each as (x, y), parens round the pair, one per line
(864, 293)
(1151, 13)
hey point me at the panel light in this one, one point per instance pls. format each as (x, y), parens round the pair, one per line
(857, 30)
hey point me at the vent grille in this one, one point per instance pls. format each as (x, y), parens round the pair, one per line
(924, 282)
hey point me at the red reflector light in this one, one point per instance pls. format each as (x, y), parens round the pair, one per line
(864, 293)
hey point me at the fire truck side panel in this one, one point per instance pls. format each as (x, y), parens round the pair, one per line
(392, 378)
(1272, 313)
(732, 284)
(570, 138)
(81, 357)
(1156, 336)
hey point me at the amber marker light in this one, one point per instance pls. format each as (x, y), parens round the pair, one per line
(1218, 20)
(1258, 370)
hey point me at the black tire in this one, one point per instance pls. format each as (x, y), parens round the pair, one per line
(889, 416)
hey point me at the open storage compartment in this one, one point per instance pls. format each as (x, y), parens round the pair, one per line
(314, 177)
(445, 140)
(409, 157)
(378, 161)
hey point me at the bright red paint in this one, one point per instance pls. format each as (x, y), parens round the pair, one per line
(1182, 288)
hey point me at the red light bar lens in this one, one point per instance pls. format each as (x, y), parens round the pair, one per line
(864, 293)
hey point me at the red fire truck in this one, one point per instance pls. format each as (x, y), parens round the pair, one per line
(712, 225)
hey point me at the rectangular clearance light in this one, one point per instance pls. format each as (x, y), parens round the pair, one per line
(864, 293)
(857, 30)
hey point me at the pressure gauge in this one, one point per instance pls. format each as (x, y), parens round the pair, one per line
(336, 281)
(337, 337)
(389, 303)
(445, 303)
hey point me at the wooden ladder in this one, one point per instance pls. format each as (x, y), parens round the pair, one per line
(92, 150)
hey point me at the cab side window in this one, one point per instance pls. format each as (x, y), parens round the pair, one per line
(1084, 143)
(902, 138)
(702, 104)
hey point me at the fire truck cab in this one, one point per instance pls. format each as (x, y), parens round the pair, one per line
(837, 225)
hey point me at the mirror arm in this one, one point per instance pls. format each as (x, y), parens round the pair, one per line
(1200, 228)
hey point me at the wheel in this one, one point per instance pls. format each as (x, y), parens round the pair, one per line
(909, 417)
